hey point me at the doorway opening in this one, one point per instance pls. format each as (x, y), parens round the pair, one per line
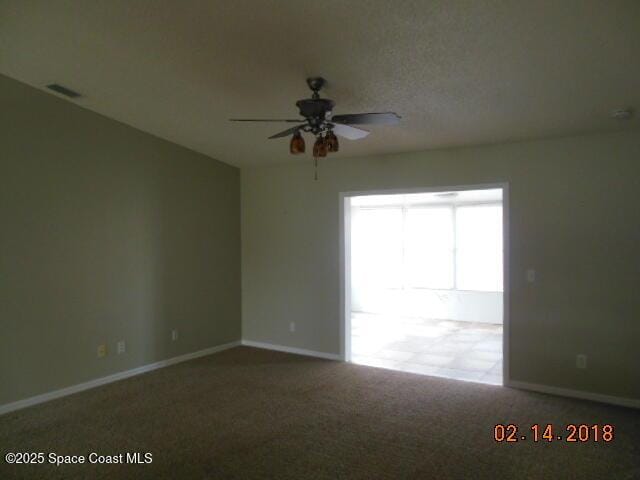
(423, 282)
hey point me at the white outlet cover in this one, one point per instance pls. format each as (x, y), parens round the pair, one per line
(581, 360)
(531, 275)
(121, 347)
(174, 335)
(292, 326)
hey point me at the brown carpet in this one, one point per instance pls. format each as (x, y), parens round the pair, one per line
(255, 414)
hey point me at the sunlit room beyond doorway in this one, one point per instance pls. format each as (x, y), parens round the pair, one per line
(426, 274)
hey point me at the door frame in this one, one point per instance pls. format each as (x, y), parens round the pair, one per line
(345, 261)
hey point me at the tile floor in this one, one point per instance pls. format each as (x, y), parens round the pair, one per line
(445, 348)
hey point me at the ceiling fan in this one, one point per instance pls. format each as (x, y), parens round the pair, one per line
(319, 121)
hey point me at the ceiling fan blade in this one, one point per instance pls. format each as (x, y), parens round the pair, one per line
(386, 118)
(350, 133)
(287, 132)
(263, 120)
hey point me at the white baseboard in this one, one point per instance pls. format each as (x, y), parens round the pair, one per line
(566, 392)
(63, 392)
(27, 402)
(298, 351)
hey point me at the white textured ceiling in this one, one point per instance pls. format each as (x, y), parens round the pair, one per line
(458, 72)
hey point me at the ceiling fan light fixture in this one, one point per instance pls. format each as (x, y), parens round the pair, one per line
(320, 147)
(297, 144)
(332, 141)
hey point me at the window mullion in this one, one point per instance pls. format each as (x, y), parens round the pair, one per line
(455, 246)
(404, 247)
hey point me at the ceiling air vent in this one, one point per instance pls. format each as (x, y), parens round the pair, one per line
(67, 92)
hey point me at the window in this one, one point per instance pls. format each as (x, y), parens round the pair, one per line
(479, 248)
(429, 247)
(377, 247)
(436, 247)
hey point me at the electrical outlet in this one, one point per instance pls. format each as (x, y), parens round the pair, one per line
(121, 347)
(102, 350)
(174, 335)
(531, 275)
(581, 360)
(292, 327)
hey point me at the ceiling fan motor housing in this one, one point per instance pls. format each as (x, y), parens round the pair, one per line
(315, 110)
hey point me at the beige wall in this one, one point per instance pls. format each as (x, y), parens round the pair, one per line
(574, 217)
(106, 233)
